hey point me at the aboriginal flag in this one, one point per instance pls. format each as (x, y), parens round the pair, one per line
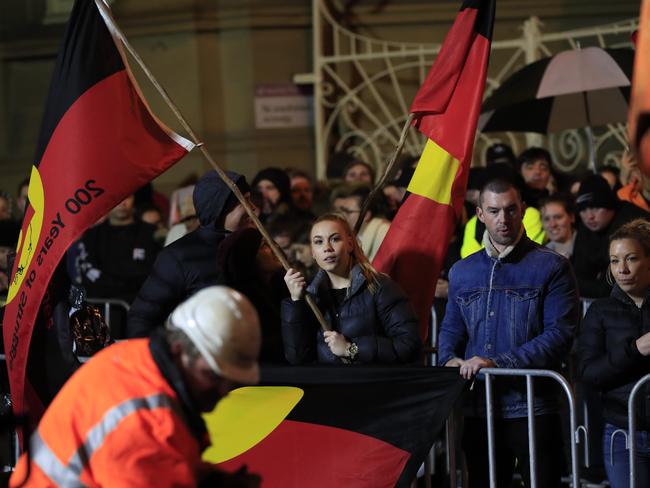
(99, 142)
(446, 110)
(334, 426)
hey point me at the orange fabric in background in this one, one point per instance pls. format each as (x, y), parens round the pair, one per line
(639, 115)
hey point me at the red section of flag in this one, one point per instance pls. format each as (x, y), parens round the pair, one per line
(319, 456)
(414, 249)
(454, 129)
(447, 107)
(104, 147)
(440, 84)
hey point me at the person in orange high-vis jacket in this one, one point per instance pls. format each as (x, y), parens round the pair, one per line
(130, 417)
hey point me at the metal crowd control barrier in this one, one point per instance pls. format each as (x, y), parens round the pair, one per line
(585, 303)
(431, 359)
(631, 418)
(488, 373)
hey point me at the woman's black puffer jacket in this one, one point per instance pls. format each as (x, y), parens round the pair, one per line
(382, 325)
(608, 358)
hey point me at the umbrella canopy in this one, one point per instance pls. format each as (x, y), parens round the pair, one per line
(577, 88)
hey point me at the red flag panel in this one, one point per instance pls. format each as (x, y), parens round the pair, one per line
(100, 143)
(447, 107)
(318, 463)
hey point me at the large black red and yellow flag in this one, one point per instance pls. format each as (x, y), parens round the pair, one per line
(322, 426)
(446, 110)
(99, 142)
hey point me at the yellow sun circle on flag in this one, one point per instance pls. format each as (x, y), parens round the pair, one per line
(245, 417)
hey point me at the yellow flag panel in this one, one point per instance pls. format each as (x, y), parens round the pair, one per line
(245, 417)
(434, 174)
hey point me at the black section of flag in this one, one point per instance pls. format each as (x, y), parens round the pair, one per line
(406, 407)
(485, 16)
(87, 56)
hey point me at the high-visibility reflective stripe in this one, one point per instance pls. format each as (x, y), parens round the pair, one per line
(70, 474)
(46, 460)
(110, 421)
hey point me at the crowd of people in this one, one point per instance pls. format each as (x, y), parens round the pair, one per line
(529, 245)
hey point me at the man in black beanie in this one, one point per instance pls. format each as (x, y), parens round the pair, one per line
(601, 213)
(190, 263)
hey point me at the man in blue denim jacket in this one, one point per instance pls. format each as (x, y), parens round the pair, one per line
(513, 304)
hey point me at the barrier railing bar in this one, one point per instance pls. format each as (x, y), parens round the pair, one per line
(532, 451)
(585, 428)
(490, 429)
(434, 336)
(540, 373)
(631, 418)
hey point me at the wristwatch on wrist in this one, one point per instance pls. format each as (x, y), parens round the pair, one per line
(352, 351)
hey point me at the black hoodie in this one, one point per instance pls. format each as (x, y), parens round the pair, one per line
(188, 264)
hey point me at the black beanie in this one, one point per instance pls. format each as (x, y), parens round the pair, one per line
(279, 178)
(212, 197)
(595, 192)
(500, 153)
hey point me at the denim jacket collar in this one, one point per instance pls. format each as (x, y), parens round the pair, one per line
(492, 251)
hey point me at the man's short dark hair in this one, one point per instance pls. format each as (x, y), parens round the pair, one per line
(498, 185)
(298, 173)
(378, 206)
(174, 334)
(566, 200)
(533, 154)
(358, 162)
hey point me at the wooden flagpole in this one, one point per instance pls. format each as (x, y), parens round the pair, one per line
(108, 18)
(389, 168)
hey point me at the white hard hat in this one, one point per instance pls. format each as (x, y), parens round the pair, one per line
(223, 325)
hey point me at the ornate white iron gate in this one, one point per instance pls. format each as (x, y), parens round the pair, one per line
(363, 88)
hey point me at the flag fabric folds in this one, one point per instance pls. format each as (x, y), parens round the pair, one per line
(99, 142)
(322, 427)
(446, 110)
(639, 114)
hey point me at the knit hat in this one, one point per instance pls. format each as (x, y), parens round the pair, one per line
(595, 192)
(279, 178)
(500, 153)
(212, 197)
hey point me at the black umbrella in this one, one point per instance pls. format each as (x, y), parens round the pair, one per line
(577, 88)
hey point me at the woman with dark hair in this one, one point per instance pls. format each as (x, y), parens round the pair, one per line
(614, 350)
(371, 318)
(275, 187)
(247, 264)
